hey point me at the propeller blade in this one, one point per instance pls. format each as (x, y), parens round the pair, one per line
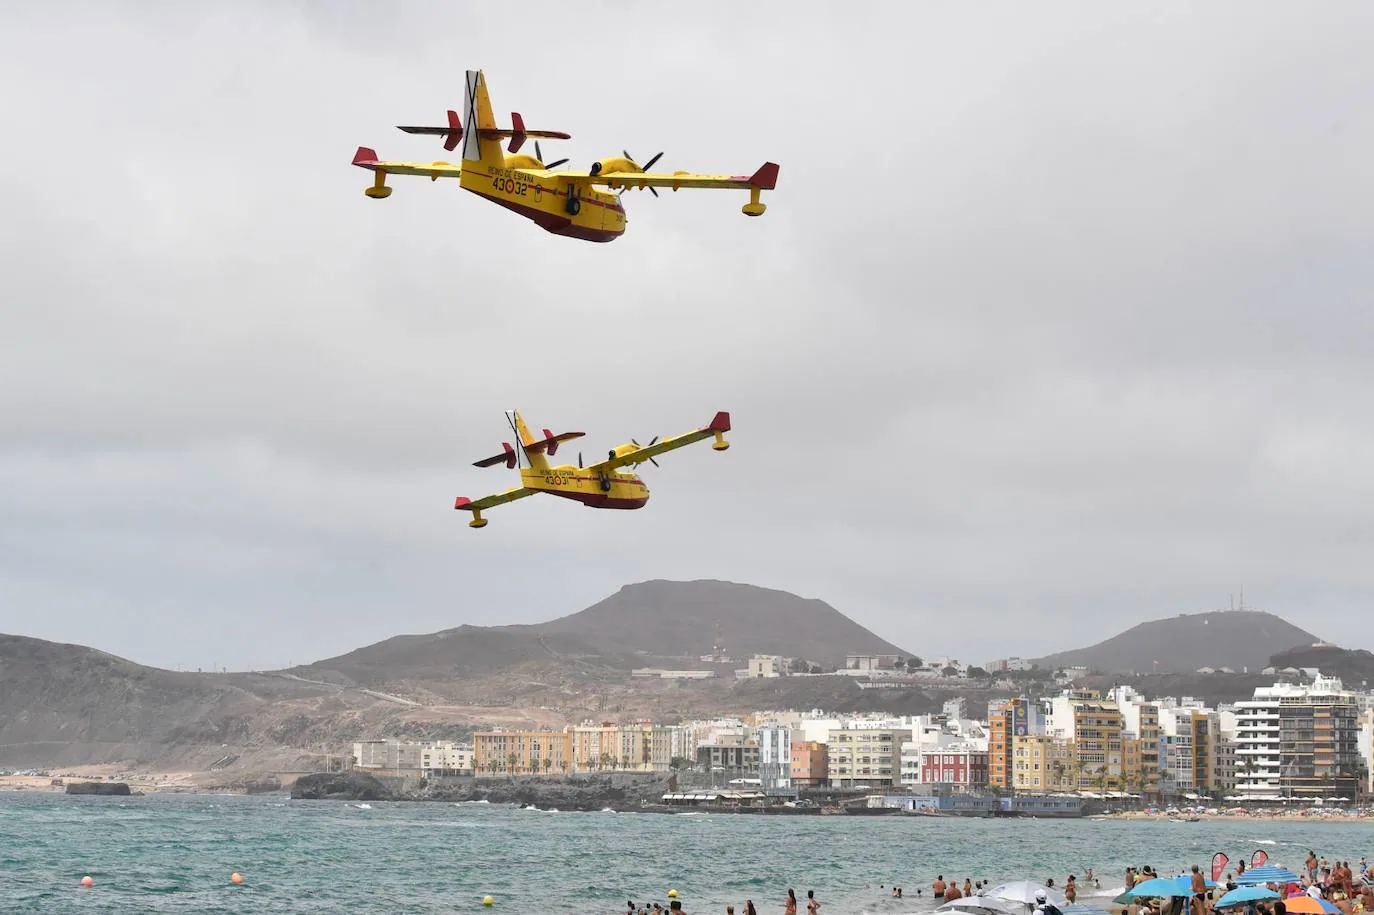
(650, 164)
(654, 462)
(555, 163)
(651, 441)
(636, 444)
(537, 154)
(579, 460)
(652, 191)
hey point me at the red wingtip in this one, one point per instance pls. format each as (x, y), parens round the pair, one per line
(766, 177)
(461, 502)
(455, 132)
(721, 423)
(365, 156)
(517, 138)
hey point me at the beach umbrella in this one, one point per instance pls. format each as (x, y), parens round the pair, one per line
(1244, 894)
(1163, 887)
(979, 904)
(1024, 891)
(1310, 906)
(1266, 874)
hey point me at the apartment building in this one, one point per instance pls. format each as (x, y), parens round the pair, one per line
(1041, 763)
(810, 764)
(641, 747)
(1298, 741)
(960, 766)
(1094, 725)
(865, 756)
(522, 752)
(1007, 720)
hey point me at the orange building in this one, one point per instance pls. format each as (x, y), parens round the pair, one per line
(810, 764)
(526, 752)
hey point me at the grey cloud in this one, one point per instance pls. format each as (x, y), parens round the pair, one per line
(1056, 320)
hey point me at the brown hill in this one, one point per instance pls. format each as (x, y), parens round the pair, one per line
(67, 704)
(689, 618)
(1354, 666)
(1237, 639)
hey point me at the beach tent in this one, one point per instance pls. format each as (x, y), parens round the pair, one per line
(1266, 874)
(1243, 895)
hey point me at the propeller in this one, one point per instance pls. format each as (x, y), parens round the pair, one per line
(579, 460)
(540, 156)
(655, 438)
(646, 166)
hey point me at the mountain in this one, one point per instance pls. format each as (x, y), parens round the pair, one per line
(685, 619)
(66, 705)
(647, 624)
(1355, 667)
(1237, 639)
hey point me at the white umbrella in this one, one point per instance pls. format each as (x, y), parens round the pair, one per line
(979, 904)
(1024, 891)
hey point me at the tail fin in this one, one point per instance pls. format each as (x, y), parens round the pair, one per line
(536, 455)
(480, 118)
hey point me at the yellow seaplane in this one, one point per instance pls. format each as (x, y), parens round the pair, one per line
(564, 203)
(602, 485)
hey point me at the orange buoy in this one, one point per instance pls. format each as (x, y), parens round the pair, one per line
(87, 881)
(235, 877)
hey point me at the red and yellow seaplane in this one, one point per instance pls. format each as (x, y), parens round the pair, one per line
(602, 485)
(564, 203)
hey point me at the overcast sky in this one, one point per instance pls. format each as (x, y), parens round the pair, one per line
(1059, 319)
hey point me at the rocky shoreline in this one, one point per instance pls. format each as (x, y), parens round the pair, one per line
(592, 792)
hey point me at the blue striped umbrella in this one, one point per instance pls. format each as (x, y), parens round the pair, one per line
(1266, 874)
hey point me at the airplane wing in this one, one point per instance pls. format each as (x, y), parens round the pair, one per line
(366, 158)
(718, 426)
(500, 498)
(765, 178)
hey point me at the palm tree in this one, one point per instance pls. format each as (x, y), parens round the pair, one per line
(1059, 768)
(548, 764)
(563, 766)
(493, 764)
(511, 760)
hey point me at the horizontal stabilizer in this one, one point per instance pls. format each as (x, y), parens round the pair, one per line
(551, 441)
(506, 457)
(721, 423)
(452, 134)
(766, 177)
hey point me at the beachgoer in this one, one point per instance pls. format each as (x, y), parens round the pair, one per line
(937, 887)
(968, 887)
(1364, 865)
(1043, 906)
(952, 891)
(630, 908)
(791, 908)
(813, 905)
(1199, 887)
(1070, 890)
(676, 907)
(749, 907)
(729, 910)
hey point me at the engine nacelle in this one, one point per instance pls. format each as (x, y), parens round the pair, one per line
(627, 448)
(614, 164)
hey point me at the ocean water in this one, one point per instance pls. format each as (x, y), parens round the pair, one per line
(175, 853)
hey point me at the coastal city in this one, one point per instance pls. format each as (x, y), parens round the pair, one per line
(1305, 740)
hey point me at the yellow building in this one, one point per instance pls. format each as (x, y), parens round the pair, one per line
(521, 752)
(1042, 764)
(1096, 727)
(865, 756)
(641, 746)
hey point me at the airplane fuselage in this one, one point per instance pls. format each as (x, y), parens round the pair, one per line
(610, 490)
(556, 205)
